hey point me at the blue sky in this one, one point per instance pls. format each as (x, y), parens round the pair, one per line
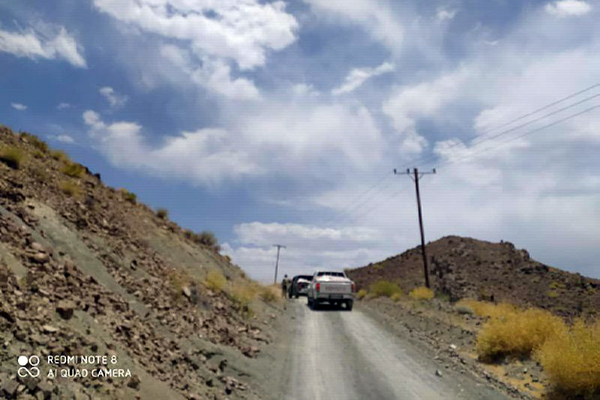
(267, 121)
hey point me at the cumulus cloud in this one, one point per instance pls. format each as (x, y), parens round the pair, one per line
(376, 17)
(115, 99)
(18, 106)
(358, 76)
(206, 156)
(35, 45)
(568, 8)
(308, 248)
(242, 31)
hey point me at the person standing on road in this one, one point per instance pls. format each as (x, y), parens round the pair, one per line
(285, 284)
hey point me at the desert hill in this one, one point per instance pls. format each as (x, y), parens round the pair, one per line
(469, 268)
(86, 269)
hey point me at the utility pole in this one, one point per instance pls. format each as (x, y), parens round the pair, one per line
(416, 176)
(277, 262)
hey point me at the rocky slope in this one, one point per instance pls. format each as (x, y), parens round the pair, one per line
(468, 268)
(86, 270)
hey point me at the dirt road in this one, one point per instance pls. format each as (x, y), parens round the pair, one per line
(331, 354)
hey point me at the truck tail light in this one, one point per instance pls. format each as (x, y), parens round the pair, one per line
(353, 288)
(318, 287)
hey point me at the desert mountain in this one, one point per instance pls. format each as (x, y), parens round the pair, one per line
(469, 268)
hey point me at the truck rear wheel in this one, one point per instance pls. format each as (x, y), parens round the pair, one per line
(349, 305)
(315, 304)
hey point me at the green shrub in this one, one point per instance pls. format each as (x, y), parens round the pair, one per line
(128, 196)
(12, 157)
(384, 288)
(162, 213)
(73, 170)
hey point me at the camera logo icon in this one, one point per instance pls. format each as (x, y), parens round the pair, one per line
(33, 362)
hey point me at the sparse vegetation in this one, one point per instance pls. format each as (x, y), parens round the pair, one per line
(383, 288)
(70, 188)
(178, 279)
(516, 333)
(270, 294)
(60, 155)
(162, 213)
(421, 293)
(571, 358)
(40, 174)
(396, 297)
(128, 196)
(489, 310)
(36, 142)
(361, 294)
(215, 280)
(208, 239)
(73, 170)
(12, 157)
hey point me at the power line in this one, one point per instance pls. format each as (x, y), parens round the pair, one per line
(521, 136)
(426, 158)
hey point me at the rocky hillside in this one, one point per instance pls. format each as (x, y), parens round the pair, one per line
(87, 270)
(468, 268)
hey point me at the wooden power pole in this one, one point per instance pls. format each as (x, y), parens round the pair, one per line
(416, 176)
(277, 261)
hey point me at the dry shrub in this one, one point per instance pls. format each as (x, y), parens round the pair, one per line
(489, 310)
(270, 294)
(128, 196)
(517, 333)
(70, 188)
(178, 279)
(361, 294)
(162, 213)
(384, 288)
(60, 155)
(396, 297)
(73, 170)
(244, 293)
(215, 280)
(421, 293)
(571, 359)
(12, 156)
(36, 142)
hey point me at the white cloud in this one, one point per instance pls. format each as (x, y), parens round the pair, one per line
(303, 89)
(18, 106)
(35, 45)
(63, 106)
(567, 8)
(65, 139)
(115, 99)
(308, 248)
(358, 76)
(242, 31)
(444, 14)
(375, 16)
(206, 156)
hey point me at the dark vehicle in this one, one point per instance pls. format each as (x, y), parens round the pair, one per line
(299, 286)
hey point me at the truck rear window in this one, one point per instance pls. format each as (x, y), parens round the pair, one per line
(340, 274)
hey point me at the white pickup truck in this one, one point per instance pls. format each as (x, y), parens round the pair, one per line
(331, 287)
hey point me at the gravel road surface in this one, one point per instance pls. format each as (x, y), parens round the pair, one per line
(331, 354)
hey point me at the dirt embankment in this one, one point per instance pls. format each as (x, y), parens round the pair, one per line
(87, 270)
(469, 268)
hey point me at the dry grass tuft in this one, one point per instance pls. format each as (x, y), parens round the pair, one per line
(396, 297)
(516, 333)
(421, 293)
(571, 359)
(70, 188)
(128, 196)
(12, 157)
(489, 310)
(60, 155)
(215, 280)
(270, 294)
(73, 170)
(36, 142)
(384, 289)
(362, 293)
